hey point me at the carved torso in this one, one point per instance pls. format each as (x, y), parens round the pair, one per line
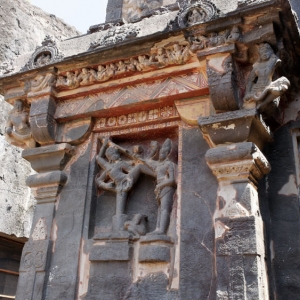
(20, 122)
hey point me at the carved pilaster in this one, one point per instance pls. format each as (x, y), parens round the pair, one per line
(239, 234)
(46, 185)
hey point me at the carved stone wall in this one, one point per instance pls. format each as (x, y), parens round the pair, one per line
(152, 176)
(23, 28)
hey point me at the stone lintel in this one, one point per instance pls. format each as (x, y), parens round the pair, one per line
(49, 158)
(235, 127)
(237, 162)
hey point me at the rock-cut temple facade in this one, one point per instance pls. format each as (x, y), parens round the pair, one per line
(165, 144)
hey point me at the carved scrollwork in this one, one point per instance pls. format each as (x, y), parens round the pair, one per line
(47, 54)
(195, 13)
(175, 54)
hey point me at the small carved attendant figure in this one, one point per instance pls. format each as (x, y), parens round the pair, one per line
(180, 54)
(18, 130)
(261, 90)
(118, 176)
(164, 171)
(161, 57)
(121, 67)
(84, 77)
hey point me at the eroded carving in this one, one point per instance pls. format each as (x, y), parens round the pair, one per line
(42, 82)
(260, 89)
(137, 226)
(214, 39)
(18, 130)
(47, 54)
(200, 12)
(175, 54)
(134, 10)
(40, 230)
(116, 34)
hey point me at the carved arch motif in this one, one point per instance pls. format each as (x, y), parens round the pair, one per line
(196, 13)
(47, 54)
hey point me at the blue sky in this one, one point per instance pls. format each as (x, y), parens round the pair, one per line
(80, 13)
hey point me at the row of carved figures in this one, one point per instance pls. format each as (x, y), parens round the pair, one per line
(175, 55)
(214, 39)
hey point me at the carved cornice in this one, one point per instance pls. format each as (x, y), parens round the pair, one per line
(237, 162)
(235, 127)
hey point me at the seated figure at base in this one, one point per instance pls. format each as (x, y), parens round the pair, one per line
(17, 131)
(261, 90)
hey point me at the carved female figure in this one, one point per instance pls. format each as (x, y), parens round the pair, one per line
(164, 170)
(260, 87)
(18, 130)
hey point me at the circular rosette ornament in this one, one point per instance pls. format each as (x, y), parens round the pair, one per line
(197, 13)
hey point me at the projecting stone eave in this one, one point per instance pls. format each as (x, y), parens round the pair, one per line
(78, 49)
(163, 27)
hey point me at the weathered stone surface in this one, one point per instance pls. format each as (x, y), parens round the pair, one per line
(136, 213)
(23, 27)
(153, 253)
(115, 251)
(280, 210)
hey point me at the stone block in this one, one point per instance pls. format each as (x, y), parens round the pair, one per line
(154, 253)
(115, 251)
(241, 238)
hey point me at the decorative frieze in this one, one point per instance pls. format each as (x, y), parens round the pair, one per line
(192, 82)
(143, 117)
(175, 54)
(214, 39)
